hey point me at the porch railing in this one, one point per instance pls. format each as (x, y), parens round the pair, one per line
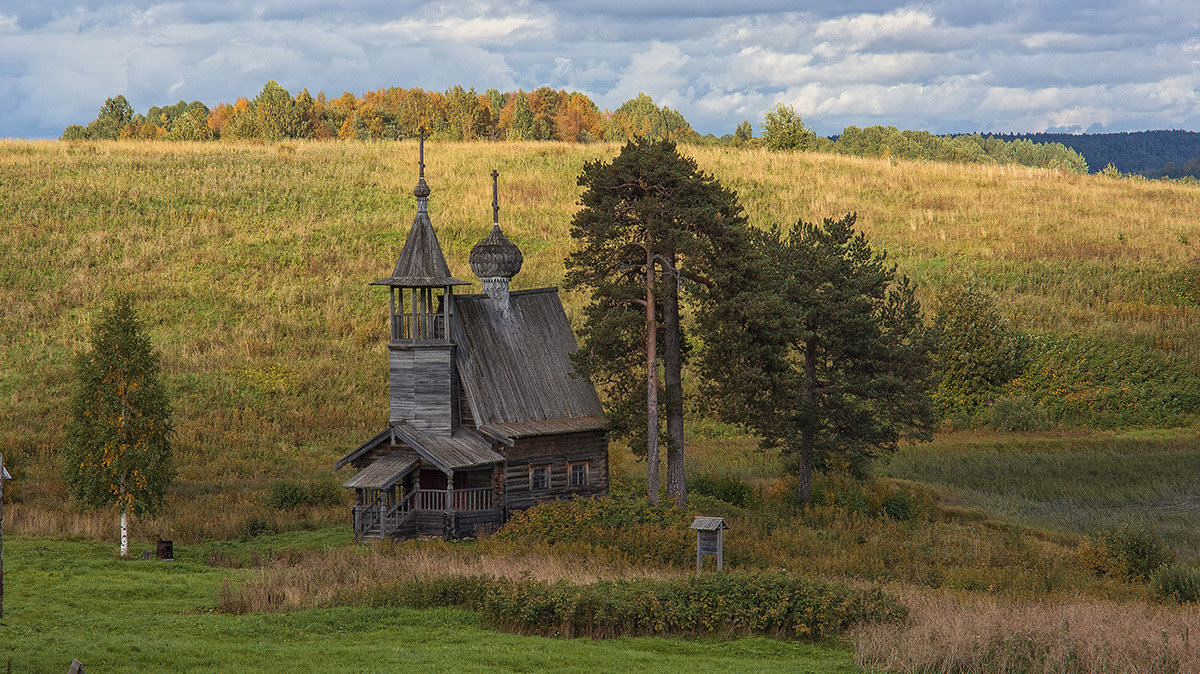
(366, 517)
(395, 515)
(473, 499)
(374, 516)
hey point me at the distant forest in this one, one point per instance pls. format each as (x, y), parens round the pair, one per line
(548, 114)
(1154, 154)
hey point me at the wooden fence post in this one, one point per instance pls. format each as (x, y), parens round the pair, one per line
(2, 473)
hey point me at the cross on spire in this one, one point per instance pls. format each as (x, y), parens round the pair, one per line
(495, 198)
(421, 162)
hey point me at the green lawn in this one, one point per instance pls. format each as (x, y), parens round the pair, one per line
(1070, 482)
(72, 599)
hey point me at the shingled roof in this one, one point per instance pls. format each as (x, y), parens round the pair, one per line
(517, 372)
(421, 261)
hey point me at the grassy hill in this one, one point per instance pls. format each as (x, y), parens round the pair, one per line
(251, 262)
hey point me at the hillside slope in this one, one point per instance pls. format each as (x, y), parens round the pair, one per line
(251, 262)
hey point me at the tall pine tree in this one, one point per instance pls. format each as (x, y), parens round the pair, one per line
(118, 447)
(818, 346)
(652, 225)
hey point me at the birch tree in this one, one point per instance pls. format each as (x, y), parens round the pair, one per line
(118, 448)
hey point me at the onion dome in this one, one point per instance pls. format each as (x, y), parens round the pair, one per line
(422, 189)
(496, 256)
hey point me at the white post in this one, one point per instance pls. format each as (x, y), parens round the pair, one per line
(1, 535)
(124, 531)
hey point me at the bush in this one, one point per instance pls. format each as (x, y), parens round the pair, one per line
(1125, 551)
(326, 494)
(1018, 413)
(252, 527)
(286, 495)
(727, 604)
(1176, 583)
(727, 488)
(898, 506)
(627, 529)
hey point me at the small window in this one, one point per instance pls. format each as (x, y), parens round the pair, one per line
(539, 477)
(578, 475)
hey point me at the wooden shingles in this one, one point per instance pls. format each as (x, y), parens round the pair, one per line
(518, 370)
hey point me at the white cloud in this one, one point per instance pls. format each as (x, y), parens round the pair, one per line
(946, 65)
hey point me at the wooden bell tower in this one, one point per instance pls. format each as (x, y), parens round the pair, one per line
(421, 368)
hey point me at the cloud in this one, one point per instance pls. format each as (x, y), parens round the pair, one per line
(944, 65)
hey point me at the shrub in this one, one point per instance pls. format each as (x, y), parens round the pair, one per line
(1131, 553)
(978, 351)
(286, 495)
(898, 506)
(727, 488)
(1176, 583)
(772, 603)
(252, 527)
(1018, 413)
(326, 494)
(627, 529)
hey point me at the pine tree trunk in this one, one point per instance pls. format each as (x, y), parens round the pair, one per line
(804, 490)
(808, 434)
(673, 387)
(651, 384)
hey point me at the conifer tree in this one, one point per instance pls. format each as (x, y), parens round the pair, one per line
(818, 346)
(652, 222)
(118, 447)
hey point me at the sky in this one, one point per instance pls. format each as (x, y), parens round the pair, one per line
(946, 66)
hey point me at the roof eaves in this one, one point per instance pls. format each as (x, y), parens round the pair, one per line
(363, 448)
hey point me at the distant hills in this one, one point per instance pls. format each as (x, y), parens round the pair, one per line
(1156, 154)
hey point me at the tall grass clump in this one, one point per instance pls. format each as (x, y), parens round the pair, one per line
(1176, 583)
(726, 604)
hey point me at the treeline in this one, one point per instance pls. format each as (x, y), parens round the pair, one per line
(391, 114)
(880, 141)
(1154, 154)
(542, 114)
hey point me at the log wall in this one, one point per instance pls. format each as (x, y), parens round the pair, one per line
(556, 451)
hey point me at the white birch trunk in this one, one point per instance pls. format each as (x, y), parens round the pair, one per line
(124, 531)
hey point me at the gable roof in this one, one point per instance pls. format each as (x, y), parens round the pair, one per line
(464, 449)
(382, 473)
(517, 372)
(421, 262)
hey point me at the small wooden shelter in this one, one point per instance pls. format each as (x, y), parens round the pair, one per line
(486, 414)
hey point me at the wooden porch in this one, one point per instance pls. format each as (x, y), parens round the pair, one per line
(424, 512)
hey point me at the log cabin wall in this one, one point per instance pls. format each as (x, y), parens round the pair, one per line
(558, 452)
(423, 390)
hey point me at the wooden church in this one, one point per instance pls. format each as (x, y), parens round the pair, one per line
(486, 415)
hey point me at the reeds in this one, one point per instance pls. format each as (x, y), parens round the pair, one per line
(955, 632)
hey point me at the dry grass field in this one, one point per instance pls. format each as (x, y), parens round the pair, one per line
(251, 263)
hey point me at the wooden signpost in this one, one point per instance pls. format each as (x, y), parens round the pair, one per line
(710, 540)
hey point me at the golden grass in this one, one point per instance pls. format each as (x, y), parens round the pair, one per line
(956, 632)
(251, 263)
(318, 578)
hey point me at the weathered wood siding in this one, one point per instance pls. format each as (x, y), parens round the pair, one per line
(557, 451)
(422, 384)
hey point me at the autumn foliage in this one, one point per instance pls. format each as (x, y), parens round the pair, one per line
(389, 114)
